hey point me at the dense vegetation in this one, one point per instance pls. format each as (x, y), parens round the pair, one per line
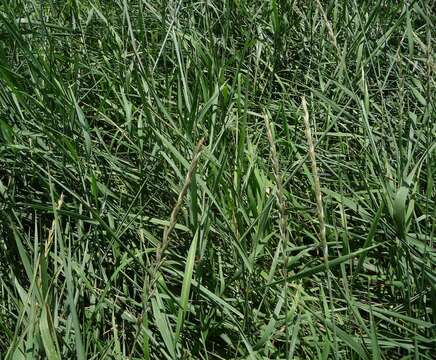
(217, 179)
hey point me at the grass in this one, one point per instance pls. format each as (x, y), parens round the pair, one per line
(217, 179)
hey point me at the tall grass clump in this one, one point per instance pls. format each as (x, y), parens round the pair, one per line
(217, 179)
